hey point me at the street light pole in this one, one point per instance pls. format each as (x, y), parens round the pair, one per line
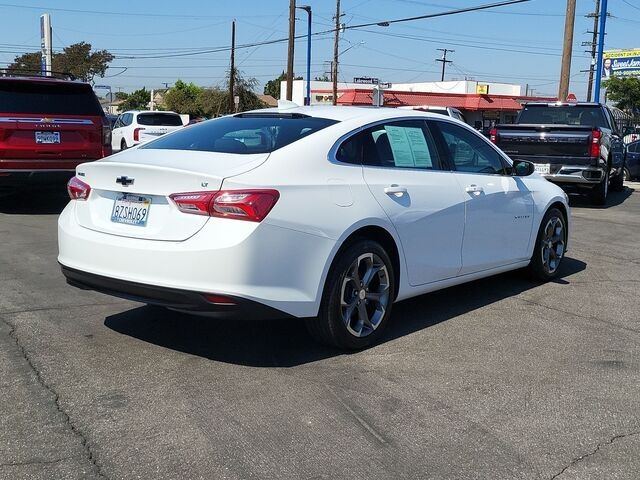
(601, 32)
(307, 8)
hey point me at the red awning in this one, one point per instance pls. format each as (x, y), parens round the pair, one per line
(470, 101)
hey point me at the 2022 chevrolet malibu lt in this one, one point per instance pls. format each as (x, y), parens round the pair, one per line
(324, 213)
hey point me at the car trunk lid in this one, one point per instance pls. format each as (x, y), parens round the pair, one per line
(144, 179)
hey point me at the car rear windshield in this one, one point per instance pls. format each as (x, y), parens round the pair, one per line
(243, 134)
(44, 98)
(563, 115)
(160, 119)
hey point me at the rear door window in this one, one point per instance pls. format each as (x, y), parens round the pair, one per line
(48, 98)
(400, 144)
(244, 134)
(160, 119)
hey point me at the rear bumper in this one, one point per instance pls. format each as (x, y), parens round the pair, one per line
(576, 175)
(277, 267)
(183, 300)
(10, 179)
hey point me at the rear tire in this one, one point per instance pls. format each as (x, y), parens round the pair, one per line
(617, 182)
(357, 298)
(626, 175)
(123, 145)
(600, 191)
(550, 245)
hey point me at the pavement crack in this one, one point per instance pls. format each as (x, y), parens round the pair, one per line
(56, 400)
(593, 452)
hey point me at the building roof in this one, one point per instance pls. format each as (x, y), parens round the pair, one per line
(268, 100)
(462, 101)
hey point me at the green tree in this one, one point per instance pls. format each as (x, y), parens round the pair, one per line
(244, 89)
(27, 64)
(213, 102)
(138, 100)
(625, 92)
(184, 98)
(76, 60)
(120, 95)
(272, 87)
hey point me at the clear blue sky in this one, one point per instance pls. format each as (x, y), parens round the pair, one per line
(520, 43)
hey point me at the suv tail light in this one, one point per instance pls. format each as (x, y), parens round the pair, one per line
(136, 134)
(78, 190)
(250, 205)
(493, 135)
(596, 136)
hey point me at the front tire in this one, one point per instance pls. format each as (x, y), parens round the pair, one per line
(550, 246)
(357, 298)
(617, 182)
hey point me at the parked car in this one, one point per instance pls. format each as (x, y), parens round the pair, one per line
(446, 111)
(325, 213)
(135, 127)
(47, 128)
(576, 145)
(632, 162)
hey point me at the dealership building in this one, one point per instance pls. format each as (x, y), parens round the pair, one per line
(482, 103)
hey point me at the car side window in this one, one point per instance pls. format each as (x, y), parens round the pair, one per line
(467, 151)
(128, 119)
(118, 123)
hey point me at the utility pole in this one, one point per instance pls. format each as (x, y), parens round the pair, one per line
(444, 60)
(334, 69)
(594, 48)
(565, 72)
(292, 39)
(601, 33)
(232, 69)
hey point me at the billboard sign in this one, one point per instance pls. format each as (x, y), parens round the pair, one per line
(621, 63)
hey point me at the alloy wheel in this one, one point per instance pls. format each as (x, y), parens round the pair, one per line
(365, 295)
(552, 245)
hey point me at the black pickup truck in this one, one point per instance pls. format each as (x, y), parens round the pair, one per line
(576, 145)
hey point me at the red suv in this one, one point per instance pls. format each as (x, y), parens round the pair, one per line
(47, 128)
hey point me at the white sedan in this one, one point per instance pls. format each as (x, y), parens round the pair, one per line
(134, 127)
(330, 214)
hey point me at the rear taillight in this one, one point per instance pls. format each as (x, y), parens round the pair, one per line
(596, 137)
(106, 133)
(136, 134)
(78, 190)
(251, 205)
(493, 135)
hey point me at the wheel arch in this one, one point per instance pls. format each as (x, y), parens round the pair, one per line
(377, 233)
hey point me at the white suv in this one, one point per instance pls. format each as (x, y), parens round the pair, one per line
(134, 127)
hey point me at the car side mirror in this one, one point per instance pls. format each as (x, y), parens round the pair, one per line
(522, 168)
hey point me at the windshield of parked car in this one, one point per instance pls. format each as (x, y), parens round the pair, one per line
(563, 115)
(160, 119)
(48, 98)
(243, 134)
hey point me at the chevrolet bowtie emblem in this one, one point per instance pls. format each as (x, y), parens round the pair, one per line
(125, 181)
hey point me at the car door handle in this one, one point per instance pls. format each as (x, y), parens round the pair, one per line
(396, 190)
(473, 189)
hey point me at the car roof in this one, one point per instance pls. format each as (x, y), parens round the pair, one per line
(149, 111)
(42, 80)
(343, 113)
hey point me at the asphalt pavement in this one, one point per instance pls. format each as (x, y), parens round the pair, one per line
(498, 379)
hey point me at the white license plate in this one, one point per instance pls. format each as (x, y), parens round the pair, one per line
(47, 137)
(543, 167)
(131, 209)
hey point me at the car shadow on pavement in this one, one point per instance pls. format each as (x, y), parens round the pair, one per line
(286, 343)
(613, 199)
(49, 201)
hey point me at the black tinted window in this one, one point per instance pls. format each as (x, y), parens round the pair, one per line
(467, 151)
(43, 98)
(244, 134)
(160, 119)
(563, 115)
